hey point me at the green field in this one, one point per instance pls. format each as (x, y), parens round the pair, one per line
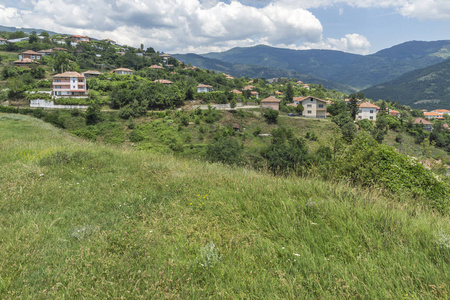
(82, 220)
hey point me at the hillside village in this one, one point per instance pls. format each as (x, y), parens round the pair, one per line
(76, 72)
(146, 177)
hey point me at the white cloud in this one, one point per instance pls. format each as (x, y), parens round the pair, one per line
(353, 43)
(420, 9)
(171, 25)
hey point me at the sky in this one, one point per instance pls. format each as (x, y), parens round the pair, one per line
(201, 26)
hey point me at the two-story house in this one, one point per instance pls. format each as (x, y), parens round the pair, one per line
(367, 111)
(69, 84)
(313, 107)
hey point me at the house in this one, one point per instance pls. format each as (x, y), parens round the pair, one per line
(164, 81)
(81, 38)
(394, 112)
(69, 84)
(204, 88)
(3, 41)
(427, 125)
(30, 54)
(367, 111)
(46, 52)
(110, 41)
(229, 76)
(60, 49)
(156, 67)
(271, 102)
(446, 126)
(249, 88)
(442, 111)
(254, 94)
(236, 92)
(236, 127)
(91, 73)
(306, 86)
(123, 71)
(278, 93)
(26, 62)
(313, 107)
(432, 115)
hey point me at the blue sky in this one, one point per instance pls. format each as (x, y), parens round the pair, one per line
(199, 26)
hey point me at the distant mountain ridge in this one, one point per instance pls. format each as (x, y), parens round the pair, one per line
(26, 30)
(240, 70)
(423, 88)
(352, 70)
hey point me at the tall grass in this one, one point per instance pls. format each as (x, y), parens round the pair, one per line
(83, 220)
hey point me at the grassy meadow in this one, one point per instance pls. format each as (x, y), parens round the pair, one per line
(83, 220)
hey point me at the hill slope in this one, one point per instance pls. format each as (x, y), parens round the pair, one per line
(254, 71)
(349, 69)
(80, 220)
(424, 88)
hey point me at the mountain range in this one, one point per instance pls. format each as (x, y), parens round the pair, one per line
(348, 72)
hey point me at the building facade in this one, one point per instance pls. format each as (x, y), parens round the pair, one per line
(69, 84)
(313, 107)
(367, 111)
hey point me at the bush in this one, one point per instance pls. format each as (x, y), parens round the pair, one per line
(136, 136)
(226, 150)
(271, 116)
(93, 115)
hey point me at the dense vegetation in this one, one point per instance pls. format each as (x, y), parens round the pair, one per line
(82, 220)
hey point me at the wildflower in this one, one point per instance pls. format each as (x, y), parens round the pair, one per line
(296, 254)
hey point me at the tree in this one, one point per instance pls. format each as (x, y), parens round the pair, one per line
(289, 96)
(61, 61)
(382, 108)
(233, 103)
(353, 105)
(16, 89)
(361, 96)
(33, 37)
(93, 115)
(349, 131)
(299, 108)
(271, 116)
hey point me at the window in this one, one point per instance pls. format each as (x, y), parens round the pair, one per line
(309, 105)
(320, 105)
(371, 117)
(371, 111)
(359, 117)
(309, 112)
(311, 99)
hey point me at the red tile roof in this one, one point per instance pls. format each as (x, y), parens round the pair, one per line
(163, 81)
(422, 121)
(31, 52)
(368, 105)
(271, 99)
(69, 74)
(201, 85)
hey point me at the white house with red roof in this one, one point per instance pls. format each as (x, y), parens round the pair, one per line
(204, 88)
(81, 38)
(432, 115)
(69, 84)
(3, 41)
(367, 111)
(442, 111)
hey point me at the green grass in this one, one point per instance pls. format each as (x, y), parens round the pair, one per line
(85, 220)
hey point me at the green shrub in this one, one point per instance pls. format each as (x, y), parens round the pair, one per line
(136, 136)
(226, 150)
(271, 116)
